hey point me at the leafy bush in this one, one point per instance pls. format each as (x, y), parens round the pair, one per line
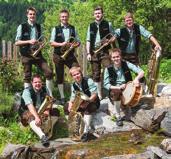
(9, 76)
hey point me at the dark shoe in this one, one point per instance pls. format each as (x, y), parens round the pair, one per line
(45, 141)
(119, 122)
(84, 137)
(62, 101)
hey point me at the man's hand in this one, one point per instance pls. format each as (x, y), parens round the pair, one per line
(136, 82)
(89, 57)
(122, 87)
(157, 47)
(37, 121)
(32, 41)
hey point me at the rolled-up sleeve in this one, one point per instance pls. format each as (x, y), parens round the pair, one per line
(88, 34)
(106, 84)
(145, 33)
(134, 68)
(27, 97)
(52, 38)
(92, 86)
(18, 35)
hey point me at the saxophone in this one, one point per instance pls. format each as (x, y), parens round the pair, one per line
(75, 119)
(153, 72)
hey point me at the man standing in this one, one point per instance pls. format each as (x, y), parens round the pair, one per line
(129, 38)
(87, 87)
(28, 36)
(64, 36)
(98, 30)
(115, 78)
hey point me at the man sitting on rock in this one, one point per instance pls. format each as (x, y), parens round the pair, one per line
(31, 101)
(115, 78)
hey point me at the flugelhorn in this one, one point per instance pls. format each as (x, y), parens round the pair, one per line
(71, 44)
(38, 46)
(104, 42)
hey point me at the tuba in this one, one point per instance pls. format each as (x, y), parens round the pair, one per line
(75, 119)
(71, 44)
(104, 42)
(153, 71)
(38, 46)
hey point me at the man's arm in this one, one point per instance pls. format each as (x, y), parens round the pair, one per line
(34, 113)
(155, 42)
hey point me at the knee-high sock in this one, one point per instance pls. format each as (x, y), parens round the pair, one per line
(27, 85)
(36, 129)
(61, 90)
(116, 108)
(87, 121)
(99, 89)
(49, 85)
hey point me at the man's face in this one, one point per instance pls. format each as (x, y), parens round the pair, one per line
(98, 15)
(129, 22)
(31, 15)
(116, 58)
(64, 18)
(37, 84)
(76, 75)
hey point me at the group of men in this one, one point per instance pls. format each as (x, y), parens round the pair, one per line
(117, 72)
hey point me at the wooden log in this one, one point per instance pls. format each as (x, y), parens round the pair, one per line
(9, 50)
(3, 49)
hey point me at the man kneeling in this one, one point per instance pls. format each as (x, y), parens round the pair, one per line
(88, 89)
(115, 78)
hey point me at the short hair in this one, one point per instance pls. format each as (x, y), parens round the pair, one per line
(98, 8)
(32, 9)
(64, 11)
(129, 15)
(36, 76)
(74, 68)
(111, 51)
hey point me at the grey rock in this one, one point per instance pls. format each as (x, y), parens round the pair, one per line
(166, 145)
(149, 119)
(9, 149)
(166, 124)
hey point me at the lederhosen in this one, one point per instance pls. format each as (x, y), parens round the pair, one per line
(114, 95)
(103, 56)
(27, 59)
(91, 107)
(70, 60)
(123, 40)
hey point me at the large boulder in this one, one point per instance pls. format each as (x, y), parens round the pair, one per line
(149, 119)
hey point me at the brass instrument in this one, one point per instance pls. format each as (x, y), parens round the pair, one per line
(47, 123)
(75, 119)
(104, 42)
(71, 44)
(37, 47)
(153, 71)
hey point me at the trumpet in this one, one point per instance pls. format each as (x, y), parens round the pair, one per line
(104, 42)
(37, 47)
(71, 44)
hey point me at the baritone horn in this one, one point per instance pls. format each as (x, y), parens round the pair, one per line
(104, 42)
(71, 44)
(38, 46)
(153, 71)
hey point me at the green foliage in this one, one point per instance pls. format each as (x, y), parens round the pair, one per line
(9, 76)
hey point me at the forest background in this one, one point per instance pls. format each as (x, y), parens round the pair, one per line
(152, 14)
